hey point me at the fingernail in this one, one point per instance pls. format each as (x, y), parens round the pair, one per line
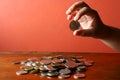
(68, 11)
(75, 18)
(68, 17)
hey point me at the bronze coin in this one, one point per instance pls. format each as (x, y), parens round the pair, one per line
(28, 68)
(74, 25)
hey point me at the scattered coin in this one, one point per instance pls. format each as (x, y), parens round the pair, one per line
(21, 72)
(34, 71)
(74, 25)
(56, 60)
(52, 73)
(63, 76)
(16, 62)
(89, 63)
(36, 67)
(71, 64)
(81, 69)
(28, 68)
(65, 71)
(42, 68)
(45, 62)
(57, 66)
(49, 67)
(44, 73)
(79, 75)
(24, 62)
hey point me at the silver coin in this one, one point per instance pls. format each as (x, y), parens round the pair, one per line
(49, 67)
(79, 75)
(28, 63)
(24, 61)
(52, 73)
(42, 68)
(21, 72)
(43, 73)
(65, 71)
(81, 69)
(33, 71)
(63, 76)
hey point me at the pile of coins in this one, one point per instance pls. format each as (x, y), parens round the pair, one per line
(58, 66)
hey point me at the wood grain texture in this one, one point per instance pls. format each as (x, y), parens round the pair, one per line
(106, 67)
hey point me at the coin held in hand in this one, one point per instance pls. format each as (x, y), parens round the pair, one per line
(74, 25)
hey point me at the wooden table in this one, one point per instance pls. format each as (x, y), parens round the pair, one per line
(106, 67)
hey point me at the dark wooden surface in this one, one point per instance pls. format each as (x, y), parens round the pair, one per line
(106, 67)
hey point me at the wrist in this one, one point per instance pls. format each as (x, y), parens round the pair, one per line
(103, 32)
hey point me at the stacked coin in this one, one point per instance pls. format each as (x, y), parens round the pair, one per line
(57, 66)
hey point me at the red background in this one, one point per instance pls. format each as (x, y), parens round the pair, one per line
(41, 25)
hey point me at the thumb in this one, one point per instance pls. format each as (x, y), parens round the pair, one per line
(85, 33)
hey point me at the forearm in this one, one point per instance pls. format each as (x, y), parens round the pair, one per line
(112, 38)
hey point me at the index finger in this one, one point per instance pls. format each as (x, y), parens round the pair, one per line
(76, 5)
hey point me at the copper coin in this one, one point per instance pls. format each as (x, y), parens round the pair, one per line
(49, 67)
(56, 60)
(71, 64)
(89, 63)
(45, 62)
(33, 59)
(79, 75)
(74, 25)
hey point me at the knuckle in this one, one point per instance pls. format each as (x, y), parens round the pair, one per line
(85, 8)
(78, 3)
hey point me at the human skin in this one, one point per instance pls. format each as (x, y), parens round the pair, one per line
(92, 25)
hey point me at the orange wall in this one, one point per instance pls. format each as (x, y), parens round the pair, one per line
(41, 25)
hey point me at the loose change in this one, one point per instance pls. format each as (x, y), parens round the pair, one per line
(58, 66)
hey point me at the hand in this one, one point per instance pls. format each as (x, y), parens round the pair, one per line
(91, 24)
